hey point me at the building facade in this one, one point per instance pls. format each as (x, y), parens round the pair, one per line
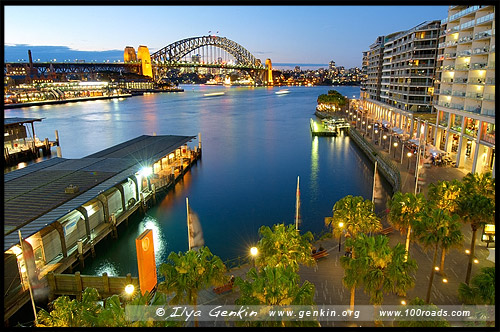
(465, 87)
(436, 83)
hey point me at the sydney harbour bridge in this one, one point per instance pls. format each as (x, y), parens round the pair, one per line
(211, 52)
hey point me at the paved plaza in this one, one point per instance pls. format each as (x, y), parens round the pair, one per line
(327, 275)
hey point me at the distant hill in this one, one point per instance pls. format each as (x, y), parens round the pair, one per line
(12, 53)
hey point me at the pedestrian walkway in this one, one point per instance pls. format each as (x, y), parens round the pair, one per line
(327, 274)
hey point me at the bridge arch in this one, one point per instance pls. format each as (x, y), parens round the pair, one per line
(174, 52)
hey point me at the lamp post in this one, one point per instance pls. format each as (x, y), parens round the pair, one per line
(390, 143)
(254, 252)
(409, 154)
(341, 224)
(402, 151)
(385, 138)
(376, 132)
(395, 146)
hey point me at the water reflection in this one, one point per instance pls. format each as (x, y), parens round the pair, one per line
(111, 268)
(314, 166)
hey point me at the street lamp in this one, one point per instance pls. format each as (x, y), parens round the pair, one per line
(395, 146)
(254, 252)
(385, 138)
(409, 154)
(341, 224)
(129, 289)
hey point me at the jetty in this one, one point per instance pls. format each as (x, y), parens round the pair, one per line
(327, 127)
(21, 143)
(64, 207)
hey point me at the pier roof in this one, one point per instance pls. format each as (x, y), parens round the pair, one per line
(11, 121)
(35, 196)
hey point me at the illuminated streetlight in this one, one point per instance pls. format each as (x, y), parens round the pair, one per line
(129, 289)
(395, 146)
(445, 280)
(254, 252)
(341, 224)
(409, 154)
(436, 268)
(476, 260)
(467, 251)
(403, 302)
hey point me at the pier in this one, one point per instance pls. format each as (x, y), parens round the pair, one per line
(64, 207)
(327, 127)
(21, 143)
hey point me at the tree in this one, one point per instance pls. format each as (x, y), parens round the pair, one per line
(477, 207)
(403, 212)
(357, 216)
(437, 321)
(444, 195)
(275, 286)
(189, 273)
(482, 289)
(434, 225)
(380, 268)
(284, 246)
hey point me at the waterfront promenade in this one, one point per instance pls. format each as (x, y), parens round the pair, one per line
(327, 275)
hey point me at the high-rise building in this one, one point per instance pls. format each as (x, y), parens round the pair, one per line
(465, 87)
(331, 65)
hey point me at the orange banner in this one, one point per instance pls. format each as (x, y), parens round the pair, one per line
(146, 261)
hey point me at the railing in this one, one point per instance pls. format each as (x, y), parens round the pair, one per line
(473, 109)
(387, 168)
(490, 138)
(482, 34)
(449, 67)
(464, 53)
(69, 284)
(461, 13)
(474, 95)
(447, 80)
(481, 50)
(444, 92)
(458, 93)
(490, 80)
(467, 24)
(479, 65)
(476, 80)
(457, 106)
(450, 55)
(465, 39)
(489, 96)
(488, 111)
(464, 66)
(485, 18)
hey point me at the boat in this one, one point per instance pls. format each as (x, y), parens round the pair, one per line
(214, 94)
(282, 92)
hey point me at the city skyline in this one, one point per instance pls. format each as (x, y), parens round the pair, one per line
(339, 33)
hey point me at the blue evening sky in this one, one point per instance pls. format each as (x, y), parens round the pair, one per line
(285, 34)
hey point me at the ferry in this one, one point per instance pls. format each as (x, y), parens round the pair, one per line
(214, 94)
(282, 92)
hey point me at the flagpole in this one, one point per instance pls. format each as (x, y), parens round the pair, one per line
(189, 235)
(373, 190)
(297, 206)
(27, 273)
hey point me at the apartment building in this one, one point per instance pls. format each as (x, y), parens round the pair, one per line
(437, 80)
(465, 87)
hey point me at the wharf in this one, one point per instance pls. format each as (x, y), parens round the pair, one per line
(64, 101)
(64, 207)
(324, 129)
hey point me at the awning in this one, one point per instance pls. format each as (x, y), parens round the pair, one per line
(398, 130)
(385, 122)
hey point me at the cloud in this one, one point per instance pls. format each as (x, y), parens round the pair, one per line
(45, 53)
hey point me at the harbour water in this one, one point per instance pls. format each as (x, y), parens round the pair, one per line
(255, 143)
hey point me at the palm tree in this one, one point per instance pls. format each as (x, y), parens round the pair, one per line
(482, 290)
(437, 320)
(403, 212)
(477, 206)
(284, 246)
(275, 286)
(434, 225)
(444, 195)
(381, 269)
(357, 216)
(189, 273)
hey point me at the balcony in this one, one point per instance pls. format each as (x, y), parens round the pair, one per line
(458, 94)
(467, 25)
(447, 80)
(449, 67)
(481, 50)
(482, 34)
(490, 81)
(461, 80)
(474, 95)
(477, 80)
(444, 92)
(489, 96)
(457, 106)
(465, 39)
(473, 109)
(450, 55)
(464, 66)
(479, 65)
(464, 53)
(485, 19)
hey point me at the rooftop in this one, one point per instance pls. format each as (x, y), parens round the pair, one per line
(35, 196)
